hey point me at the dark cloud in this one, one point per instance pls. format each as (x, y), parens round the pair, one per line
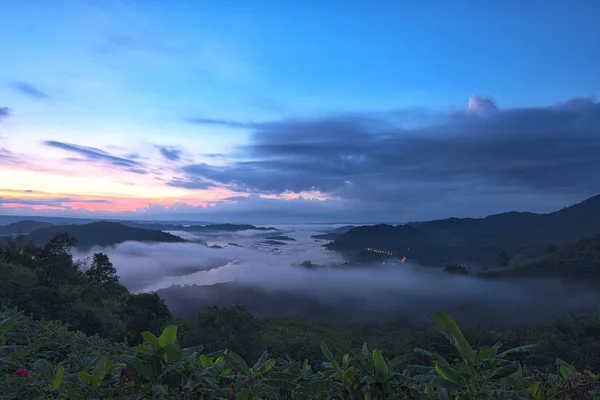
(5, 112)
(194, 183)
(53, 202)
(29, 90)
(98, 155)
(170, 153)
(483, 153)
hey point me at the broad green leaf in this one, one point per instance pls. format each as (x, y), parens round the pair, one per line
(381, 367)
(345, 360)
(365, 350)
(239, 361)
(448, 373)
(266, 367)
(505, 371)
(520, 349)
(98, 374)
(448, 325)
(58, 378)
(85, 377)
(261, 360)
(566, 372)
(565, 369)
(431, 355)
(305, 365)
(205, 362)
(534, 388)
(151, 339)
(486, 352)
(327, 353)
(172, 353)
(168, 336)
(349, 374)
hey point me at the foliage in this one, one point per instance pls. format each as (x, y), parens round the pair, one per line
(456, 269)
(46, 360)
(47, 283)
(576, 261)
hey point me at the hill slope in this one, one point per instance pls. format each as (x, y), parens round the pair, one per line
(381, 236)
(563, 226)
(25, 227)
(579, 260)
(103, 234)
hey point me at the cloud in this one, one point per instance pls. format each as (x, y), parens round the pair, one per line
(9, 156)
(481, 157)
(98, 155)
(5, 112)
(170, 153)
(29, 90)
(194, 183)
(52, 202)
(482, 105)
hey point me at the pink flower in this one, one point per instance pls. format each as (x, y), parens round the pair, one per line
(21, 372)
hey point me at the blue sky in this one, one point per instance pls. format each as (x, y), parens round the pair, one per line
(126, 78)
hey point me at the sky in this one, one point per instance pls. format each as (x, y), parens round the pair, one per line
(315, 111)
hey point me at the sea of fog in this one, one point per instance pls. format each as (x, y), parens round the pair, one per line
(401, 289)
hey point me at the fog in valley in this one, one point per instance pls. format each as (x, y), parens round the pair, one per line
(268, 279)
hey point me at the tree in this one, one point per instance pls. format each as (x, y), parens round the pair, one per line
(552, 248)
(456, 269)
(102, 271)
(144, 312)
(56, 260)
(228, 327)
(503, 259)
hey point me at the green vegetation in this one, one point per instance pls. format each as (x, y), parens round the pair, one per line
(46, 283)
(579, 260)
(110, 343)
(46, 360)
(456, 269)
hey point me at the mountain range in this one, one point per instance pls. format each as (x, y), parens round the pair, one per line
(102, 234)
(476, 241)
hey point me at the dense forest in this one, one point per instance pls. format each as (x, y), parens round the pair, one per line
(69, 329)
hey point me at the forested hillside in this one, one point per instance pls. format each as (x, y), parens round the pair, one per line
(579, 260)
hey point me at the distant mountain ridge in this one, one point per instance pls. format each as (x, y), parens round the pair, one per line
(383, 237)
(24, 227)
(562, 226)
(478, 240)
(103, 234)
